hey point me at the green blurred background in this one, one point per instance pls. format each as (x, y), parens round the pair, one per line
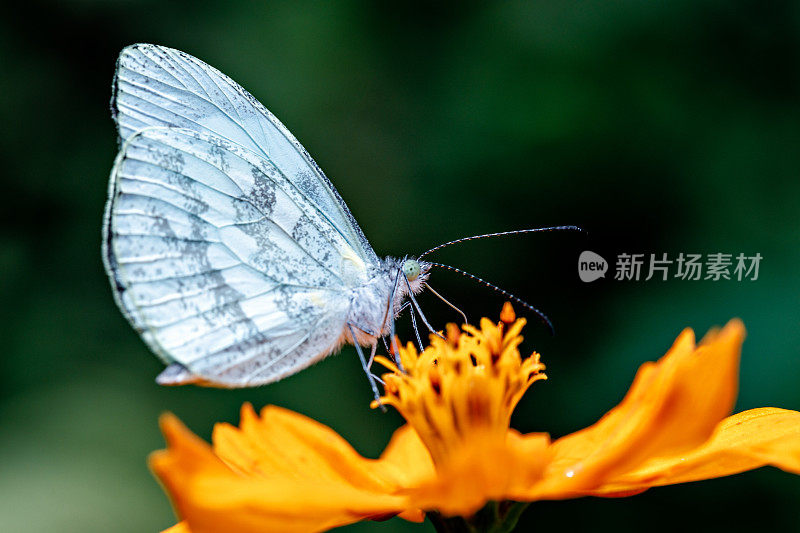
(658, 126)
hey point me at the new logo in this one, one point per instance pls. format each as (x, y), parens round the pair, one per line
(591, 266)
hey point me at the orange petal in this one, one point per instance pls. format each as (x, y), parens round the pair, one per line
(210, 497)
(180, 527)
(405, 460)
(248, 505)
(748, 440)
(508, 315)
(413, 515)
(488, 469)
(284, 443)
(672, 407)
(186, 453)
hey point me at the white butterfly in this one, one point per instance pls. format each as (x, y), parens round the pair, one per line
(228, 249)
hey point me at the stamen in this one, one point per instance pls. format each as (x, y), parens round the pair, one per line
(460, 386)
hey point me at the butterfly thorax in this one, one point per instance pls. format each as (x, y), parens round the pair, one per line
(369, 302)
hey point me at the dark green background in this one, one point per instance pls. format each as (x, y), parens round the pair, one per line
(658, 126)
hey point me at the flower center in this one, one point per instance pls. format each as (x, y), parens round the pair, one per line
(464, 387)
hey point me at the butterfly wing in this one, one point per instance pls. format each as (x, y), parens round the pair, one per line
(220, 262)
(159, 86)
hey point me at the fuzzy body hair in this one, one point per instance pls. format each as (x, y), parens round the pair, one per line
(368, 302)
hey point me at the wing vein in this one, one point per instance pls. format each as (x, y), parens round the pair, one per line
(265, 218)
(215, 307)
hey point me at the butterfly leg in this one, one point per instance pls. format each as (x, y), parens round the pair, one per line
(416, 329)
(386, 344)
(419, 310)
(370, 377)
(383, 338)
(372, 358)
(372, 353)
(395, 351)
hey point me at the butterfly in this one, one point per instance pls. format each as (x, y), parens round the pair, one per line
(228, 249)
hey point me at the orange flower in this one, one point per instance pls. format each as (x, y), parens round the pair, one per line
(281, 471)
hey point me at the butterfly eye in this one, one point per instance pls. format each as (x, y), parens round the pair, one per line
(411, 269)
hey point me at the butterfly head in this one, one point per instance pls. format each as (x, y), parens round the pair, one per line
(415, 273)
(411, 269)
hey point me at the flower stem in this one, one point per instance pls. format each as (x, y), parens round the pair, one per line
(495, 517)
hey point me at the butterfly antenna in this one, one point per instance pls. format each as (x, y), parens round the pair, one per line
(505, 293)
(501, 234)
